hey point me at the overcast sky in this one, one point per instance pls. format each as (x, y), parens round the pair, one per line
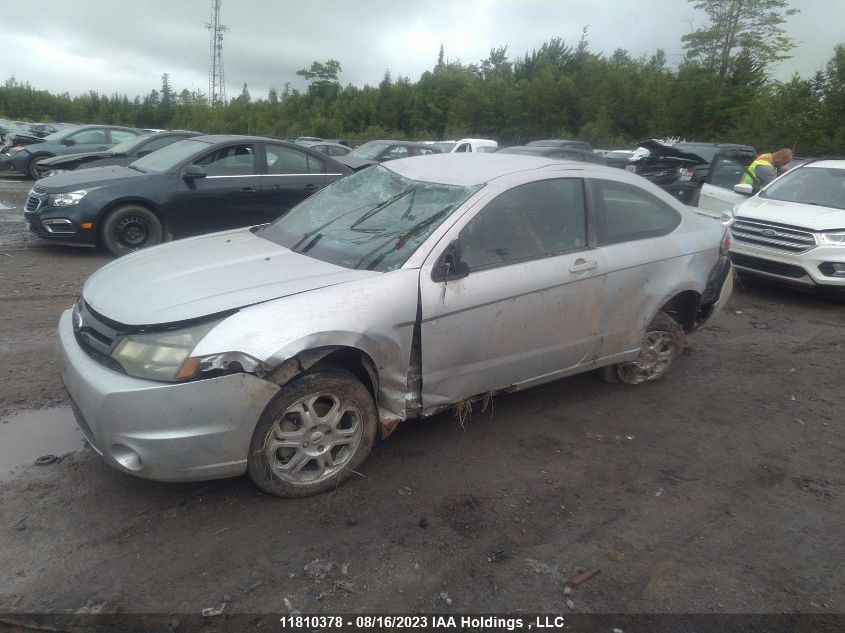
(117, 46)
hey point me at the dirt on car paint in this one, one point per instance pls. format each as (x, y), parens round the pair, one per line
(719, 489)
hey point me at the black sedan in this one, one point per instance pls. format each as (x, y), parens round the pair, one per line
(121, 154)
(380, 151)
(22, 159)
(196, 185)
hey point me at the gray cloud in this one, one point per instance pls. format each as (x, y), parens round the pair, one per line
(120, 47)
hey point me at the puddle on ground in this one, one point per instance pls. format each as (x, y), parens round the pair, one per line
(27, 435)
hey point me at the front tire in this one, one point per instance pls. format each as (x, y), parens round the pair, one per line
(661, 345)
(315, 432)
(32, 166)
(129, 228)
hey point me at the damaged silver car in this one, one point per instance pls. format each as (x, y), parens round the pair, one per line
(286, 350)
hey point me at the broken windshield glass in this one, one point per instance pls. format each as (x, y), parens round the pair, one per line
(372, 220)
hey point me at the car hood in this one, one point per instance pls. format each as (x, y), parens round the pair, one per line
(94, 177)
(808, 216)
(205, 275)
(69, 158)
(661, 150)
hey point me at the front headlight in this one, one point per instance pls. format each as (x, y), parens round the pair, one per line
(833, 239)
(163, 355)
(67, 199)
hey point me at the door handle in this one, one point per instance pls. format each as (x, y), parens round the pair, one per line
(247, 191)
(102, 148)
(582, 266)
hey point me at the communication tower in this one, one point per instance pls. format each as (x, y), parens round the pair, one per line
(216, 80)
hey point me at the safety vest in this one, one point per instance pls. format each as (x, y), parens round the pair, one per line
(751, 173)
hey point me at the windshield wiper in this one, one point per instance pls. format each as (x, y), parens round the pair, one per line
(401, 238)
(380, 206)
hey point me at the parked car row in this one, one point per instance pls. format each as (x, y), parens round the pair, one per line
(23, 159)
(22, 133)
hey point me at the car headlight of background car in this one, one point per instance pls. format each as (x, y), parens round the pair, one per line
(833, 239)
(67, 199)
(162, 355)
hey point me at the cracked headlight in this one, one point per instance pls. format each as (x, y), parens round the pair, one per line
(162, 356)
(833, 239)
(67, 199)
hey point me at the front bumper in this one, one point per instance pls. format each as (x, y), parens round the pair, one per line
(13, 165)
(811, 269)
(60, 224)
(163, 431)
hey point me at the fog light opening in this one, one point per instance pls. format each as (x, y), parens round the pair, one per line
(126, 457)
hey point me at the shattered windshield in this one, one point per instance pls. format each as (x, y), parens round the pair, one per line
(372, 220)
(820, 186)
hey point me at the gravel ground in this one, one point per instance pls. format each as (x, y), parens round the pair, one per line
(718, 490)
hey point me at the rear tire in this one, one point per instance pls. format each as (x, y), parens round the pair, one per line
(129, 228)
(661, 345)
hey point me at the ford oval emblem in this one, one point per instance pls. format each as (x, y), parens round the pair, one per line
(768, 232)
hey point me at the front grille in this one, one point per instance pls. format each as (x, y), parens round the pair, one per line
(778, 237)
(96, 335)
(37, 196)
(768, 266)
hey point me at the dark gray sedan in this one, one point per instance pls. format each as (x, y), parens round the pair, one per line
(22, 160)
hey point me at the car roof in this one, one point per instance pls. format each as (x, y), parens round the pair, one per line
(826, 163)
(405, 143)
(468, 169)
(225, 138)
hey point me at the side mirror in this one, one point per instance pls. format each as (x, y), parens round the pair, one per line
(68, 141)
(744, 188)
(450, 266)
(193, 172)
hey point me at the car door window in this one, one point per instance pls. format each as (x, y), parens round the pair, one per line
(463, 147)
(534, 220)
(726, 172)
(315, 165)
(89, 136)
(395, 151)
(234, 160)
(118, 136)
(285, 160)
(630, 213)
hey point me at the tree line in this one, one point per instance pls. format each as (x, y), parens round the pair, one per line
(721, 91)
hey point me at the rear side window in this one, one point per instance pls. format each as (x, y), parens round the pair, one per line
(535, 220)
(629, 213)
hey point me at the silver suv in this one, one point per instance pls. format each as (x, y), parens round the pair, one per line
(286, 350)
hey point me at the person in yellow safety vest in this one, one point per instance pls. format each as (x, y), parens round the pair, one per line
(766, 167)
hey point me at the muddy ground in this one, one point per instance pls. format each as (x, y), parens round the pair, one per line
(717, 490)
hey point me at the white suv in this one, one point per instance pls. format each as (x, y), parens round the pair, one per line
(793, 231)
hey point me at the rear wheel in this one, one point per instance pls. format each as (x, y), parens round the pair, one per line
(314, 434)
(130, 228)
(660, 347)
